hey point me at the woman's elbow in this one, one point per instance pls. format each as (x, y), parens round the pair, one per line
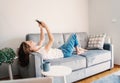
(51, 39)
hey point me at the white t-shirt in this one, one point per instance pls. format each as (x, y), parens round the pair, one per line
(53, 53)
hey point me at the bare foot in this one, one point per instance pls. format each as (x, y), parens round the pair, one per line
(81, 50)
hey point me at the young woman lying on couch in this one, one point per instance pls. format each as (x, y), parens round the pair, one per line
(47, 51)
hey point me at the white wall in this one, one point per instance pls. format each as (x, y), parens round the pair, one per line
(104, 16)
(17, 18)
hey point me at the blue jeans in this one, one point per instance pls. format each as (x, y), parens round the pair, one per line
(68, 47)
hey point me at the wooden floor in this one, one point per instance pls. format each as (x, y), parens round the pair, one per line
(95, 77)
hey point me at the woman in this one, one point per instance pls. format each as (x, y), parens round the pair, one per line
(65, 50)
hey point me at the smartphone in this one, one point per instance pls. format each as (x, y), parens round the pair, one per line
(38, 21)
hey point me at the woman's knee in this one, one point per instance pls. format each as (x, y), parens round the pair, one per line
(74, 36)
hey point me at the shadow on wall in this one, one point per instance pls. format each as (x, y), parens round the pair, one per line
(13, 43)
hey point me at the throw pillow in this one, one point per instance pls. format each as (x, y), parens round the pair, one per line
(96, 41)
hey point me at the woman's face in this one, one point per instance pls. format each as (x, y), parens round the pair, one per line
(31, 44)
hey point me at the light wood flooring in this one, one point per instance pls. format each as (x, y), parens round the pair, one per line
(95, 77)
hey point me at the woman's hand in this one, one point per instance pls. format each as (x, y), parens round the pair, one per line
(43, 25)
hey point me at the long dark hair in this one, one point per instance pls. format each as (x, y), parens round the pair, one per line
(23, 54)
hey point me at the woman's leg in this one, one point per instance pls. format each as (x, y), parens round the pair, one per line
(68, 47)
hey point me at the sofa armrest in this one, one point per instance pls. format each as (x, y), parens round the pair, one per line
(109, 47)
(33, 69)
(38, 60)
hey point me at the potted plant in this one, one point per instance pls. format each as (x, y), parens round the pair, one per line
(7, 55)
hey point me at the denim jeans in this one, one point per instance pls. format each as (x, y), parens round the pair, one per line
(68, 47)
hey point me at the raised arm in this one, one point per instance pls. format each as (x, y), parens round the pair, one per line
(40, 43)
(50, 36)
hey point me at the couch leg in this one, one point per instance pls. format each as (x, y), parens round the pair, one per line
(109, 69)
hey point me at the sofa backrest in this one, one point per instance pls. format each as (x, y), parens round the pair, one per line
(60, 38)
(57, 36)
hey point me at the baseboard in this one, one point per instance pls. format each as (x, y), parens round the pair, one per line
(116, 65)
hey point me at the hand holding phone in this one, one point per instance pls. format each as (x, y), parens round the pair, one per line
(41, 24)
(38, 22)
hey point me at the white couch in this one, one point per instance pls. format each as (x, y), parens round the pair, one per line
(83, 66)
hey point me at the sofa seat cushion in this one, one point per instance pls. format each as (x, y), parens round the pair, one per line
(75, 62)
(96, 56)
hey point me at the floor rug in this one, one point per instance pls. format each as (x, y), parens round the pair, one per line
(113, 78)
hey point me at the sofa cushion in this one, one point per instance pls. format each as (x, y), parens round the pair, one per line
(96, 56)
(96, 41)
(58, 40)
(75, 62)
